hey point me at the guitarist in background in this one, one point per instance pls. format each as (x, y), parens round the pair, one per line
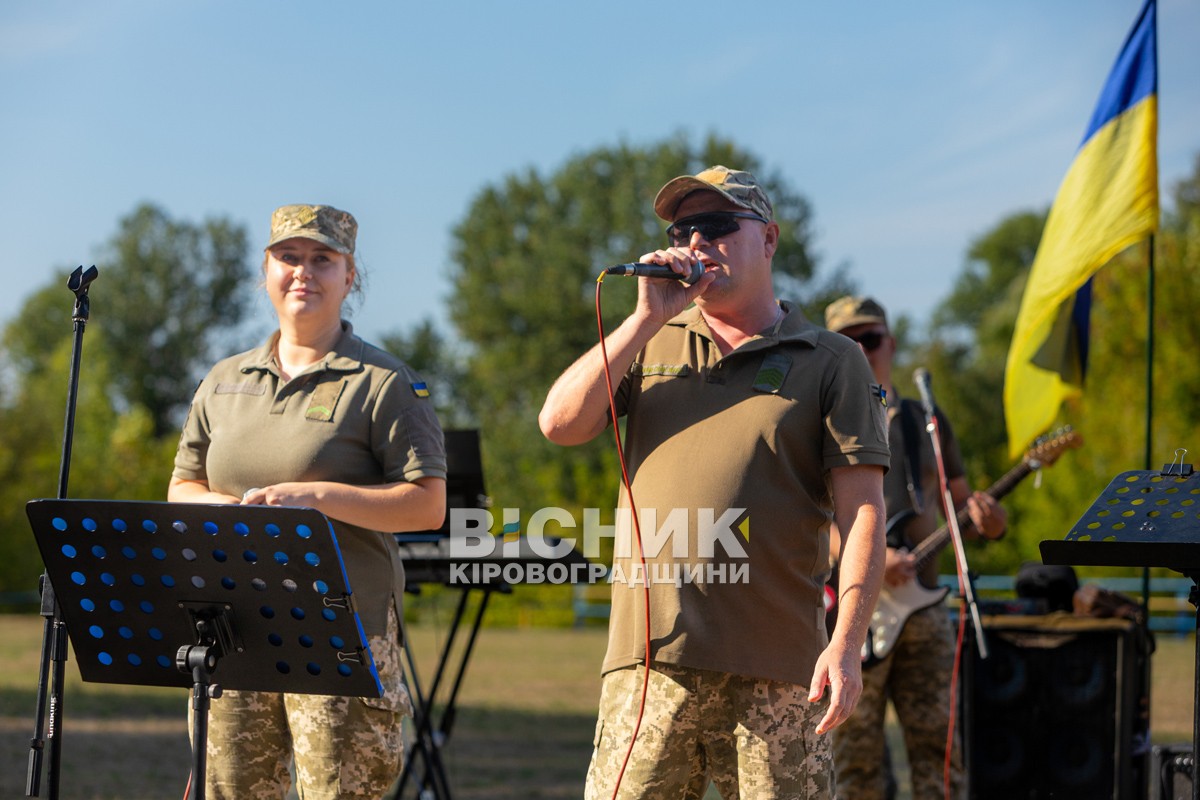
(916, 674)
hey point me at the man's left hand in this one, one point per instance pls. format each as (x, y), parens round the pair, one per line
(989, 517)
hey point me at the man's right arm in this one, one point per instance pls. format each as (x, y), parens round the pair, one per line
(576, 408)
(858, 508)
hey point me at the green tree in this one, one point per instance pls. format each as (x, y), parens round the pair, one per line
(969, 336)
(167, 295)
(968, 344)
(178, 288)
(964, 350)
(526, 259)
(114, 452)
(426, 349)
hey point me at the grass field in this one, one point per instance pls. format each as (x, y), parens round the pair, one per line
(524, 729)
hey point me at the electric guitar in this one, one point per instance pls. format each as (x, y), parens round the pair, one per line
(897, 603)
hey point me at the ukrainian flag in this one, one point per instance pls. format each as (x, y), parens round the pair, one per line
(1108, 201)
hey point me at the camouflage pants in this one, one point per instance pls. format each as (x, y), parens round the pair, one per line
(751, 737)
(916, 677)
(342, 747)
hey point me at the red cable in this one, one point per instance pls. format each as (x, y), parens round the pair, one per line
(637, 530)
(947, 500)
(958, 648)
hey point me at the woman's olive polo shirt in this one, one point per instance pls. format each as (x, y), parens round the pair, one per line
(359, 416)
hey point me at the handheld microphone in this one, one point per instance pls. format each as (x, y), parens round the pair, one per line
(657, 271)
(921, 379)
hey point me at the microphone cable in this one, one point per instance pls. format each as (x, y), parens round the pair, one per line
(954, 675)
(935, 435)
(637, 531)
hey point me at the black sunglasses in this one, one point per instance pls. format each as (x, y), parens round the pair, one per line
(711, 225)
(869, 340)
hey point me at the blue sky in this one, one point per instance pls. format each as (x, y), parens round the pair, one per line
(912, 128)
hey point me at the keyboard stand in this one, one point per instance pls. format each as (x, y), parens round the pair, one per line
(427, 559)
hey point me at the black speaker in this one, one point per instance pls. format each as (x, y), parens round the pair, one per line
(1171, 772)
(1057, 710)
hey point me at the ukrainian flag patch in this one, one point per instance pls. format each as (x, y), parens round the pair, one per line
(420, 389)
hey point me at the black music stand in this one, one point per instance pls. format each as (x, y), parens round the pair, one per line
(1144, 519)
(159, 594)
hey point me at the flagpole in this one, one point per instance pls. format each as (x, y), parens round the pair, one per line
(1149, 433)
(1149, 455)
(1150, 353)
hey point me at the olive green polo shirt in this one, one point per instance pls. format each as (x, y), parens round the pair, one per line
(359, 416)
(757, 430)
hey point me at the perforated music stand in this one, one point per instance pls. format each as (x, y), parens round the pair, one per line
(1144, 519)
(157, 594)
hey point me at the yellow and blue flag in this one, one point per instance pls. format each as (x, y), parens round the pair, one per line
(1107, 201)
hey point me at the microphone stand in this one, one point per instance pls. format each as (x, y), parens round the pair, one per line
(960, 553)
(54, 636)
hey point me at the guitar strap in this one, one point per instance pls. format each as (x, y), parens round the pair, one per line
(912, 465)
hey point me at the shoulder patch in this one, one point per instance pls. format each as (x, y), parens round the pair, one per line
(420, 389)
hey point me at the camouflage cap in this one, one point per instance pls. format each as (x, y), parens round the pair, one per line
(848, 311)
(739, 188)
(325, 224)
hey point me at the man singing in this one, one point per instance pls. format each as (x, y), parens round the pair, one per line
(736, 408)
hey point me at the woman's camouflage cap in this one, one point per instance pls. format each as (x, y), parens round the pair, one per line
(329, 226)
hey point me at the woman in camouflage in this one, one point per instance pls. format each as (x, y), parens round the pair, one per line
(316, 417)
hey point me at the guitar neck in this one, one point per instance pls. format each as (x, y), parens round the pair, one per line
(931, 546)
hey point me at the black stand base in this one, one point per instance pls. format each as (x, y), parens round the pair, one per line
(1143, 519)
(214, 637)
(1194, 599)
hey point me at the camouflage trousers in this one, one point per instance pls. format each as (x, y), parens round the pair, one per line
(751, 737)
(916, 677)
(342, 747)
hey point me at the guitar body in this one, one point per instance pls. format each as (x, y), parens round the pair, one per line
(895, 605)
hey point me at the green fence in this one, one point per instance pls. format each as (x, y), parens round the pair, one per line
(1169, 609)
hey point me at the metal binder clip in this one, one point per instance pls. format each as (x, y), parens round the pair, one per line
(1177, 467)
